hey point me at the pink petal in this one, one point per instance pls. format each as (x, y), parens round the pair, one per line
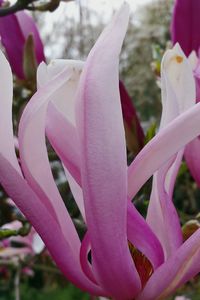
(10, 24)
(178, 94)
(51, 233)
(28, 26)
(192, 157)
(185, 25)
(103, 163)
(142, 237)
(177, 270)
(135, 140)
(63, 138)
(163, 146)
(34, 158)
(85, 249)
(7, 147)
(19, 26)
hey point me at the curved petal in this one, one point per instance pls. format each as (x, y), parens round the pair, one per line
(192, 157)
(76, 192)
(187, 13)
(53, 237)
(177, 270)
(60, 127)
(103, 162)
(85, 249)
(15, 53)
(28, 26)
(178, 94)
(142, 237)
(133, 128)
(34, 158)
(63, 138)
(162, 211)
(7, 147)
(60, 122)
(162, 147)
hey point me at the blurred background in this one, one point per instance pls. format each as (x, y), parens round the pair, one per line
(26, 269)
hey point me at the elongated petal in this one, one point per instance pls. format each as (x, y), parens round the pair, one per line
(39, 216)
(63, 137)
(178, 94)
(178, 269)
(191, 152)
(85, 249)
(133, 129)
(76, 192)
(10, 24)
(149, 245)
(28, 26)
(19, 26)
(103, 162)
(185, 25)
(192, 157)
(7, 147)
(60, 123)
(34, 158)
(166, 143)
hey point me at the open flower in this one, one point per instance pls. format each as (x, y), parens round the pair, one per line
(14, 31)
(78, 106)
(185, 30)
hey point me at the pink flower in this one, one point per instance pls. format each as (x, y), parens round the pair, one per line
(14, 31)
(185, 30)
(78, 106)
(185, 25)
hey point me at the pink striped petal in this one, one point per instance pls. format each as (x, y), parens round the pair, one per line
(60, 127)
(10, 24)
(34, 158)
(178, 94)
(53, 237)
(63, 138)
(7, 147)
(28, 26)
(162, 147)
(192, 157)
(76, 192)
(85, 249)
(185, 25)
(103, 162)
(134, 132)
(19, 26)
(177, 270)
(142, 237)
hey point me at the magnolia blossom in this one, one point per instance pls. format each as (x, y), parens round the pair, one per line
(14, 31)
(185, 24)
(184, 30)
(77, 105)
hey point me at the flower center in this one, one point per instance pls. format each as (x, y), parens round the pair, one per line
(142, 264)
(179, 59)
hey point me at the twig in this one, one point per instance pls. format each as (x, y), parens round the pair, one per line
(17, 283)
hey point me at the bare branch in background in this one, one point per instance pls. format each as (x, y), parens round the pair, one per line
(33, 5)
